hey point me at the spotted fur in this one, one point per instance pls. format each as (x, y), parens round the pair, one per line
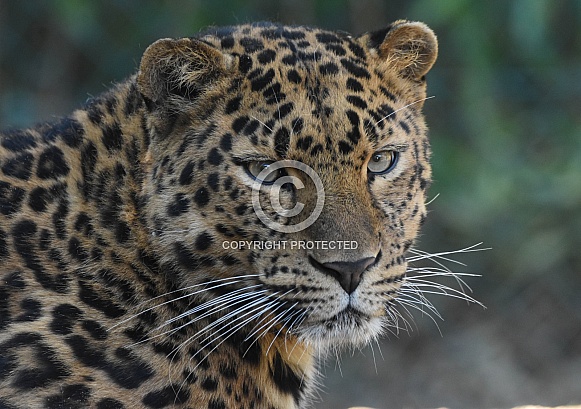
(116, 289)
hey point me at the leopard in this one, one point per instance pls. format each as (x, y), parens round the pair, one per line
(151, 254)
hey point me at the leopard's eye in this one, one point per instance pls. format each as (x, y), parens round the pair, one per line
(382, 162)
(255, 168)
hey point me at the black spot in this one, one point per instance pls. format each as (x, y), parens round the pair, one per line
(3, 245)
(31, 310)
(95, 329)
(285, 378)
(248, 349)
(251, 127)
(358, 102)
(318, 148)
(357, 50)
(228, 370)
(112, 137)
(354, 135)
(336, 49)
(404, 126)
(239, 123)
(355, 69)
(59, 219)
(189, 260)
(214, 157)
(228, 182)
(329, 69)
(244, 64)
(11, 198)
(92, 298)
(294, 77)
(19, 167)
(187, 173)
(297, 126)
(209, 384)
(261, 82)
(354, 85)
(284, 110)
(281, 141)
(370, 130)
(77, 250)
(69, 130)
(88, 162)
(326, 38)
(38, 199)
(241, 209)
(290, 59)
(179, 206)
(133, 102)
(76, 397)
(204, 241)
(266, 56)
(251, 45)
(293, 34)
(52, 164)
(345, 147)
(14, 280)
(353, 118)
(47, 368)
(18, 140)
(23, 233)
(233, 105)
(304, 143)
(202, 197)
(377, 37)
(64, 319)
(226, 142)
(122, 232)
(127, 371)
(388, 94)
(109, 403)
(214, 181)
(227, 42)
(168, 396)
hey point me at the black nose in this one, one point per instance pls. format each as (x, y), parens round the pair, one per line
(347, 273)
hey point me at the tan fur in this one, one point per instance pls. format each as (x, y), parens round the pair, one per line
(117, 288)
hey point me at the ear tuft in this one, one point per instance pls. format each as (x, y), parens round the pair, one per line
(179, 68)
(410, 47)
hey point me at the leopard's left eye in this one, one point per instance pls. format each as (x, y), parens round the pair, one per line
(255, 168)
(382, 162)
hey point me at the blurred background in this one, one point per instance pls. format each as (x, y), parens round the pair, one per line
(506, 131)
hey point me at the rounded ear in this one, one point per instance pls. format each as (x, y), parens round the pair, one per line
(409, 47)
(182, 68)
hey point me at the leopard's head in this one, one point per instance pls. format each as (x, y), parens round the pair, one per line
(287, 172)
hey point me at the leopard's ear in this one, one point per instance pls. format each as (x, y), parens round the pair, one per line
(411, 48)
(180, 69)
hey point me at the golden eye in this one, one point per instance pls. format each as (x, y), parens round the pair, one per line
(255, 168)
(382, 162)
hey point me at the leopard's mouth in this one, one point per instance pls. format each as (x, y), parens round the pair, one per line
(349, 327)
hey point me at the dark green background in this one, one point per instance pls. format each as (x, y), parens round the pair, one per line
(506, 130)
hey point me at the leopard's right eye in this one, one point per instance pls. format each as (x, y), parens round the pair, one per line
(256, 168)
(382, 162)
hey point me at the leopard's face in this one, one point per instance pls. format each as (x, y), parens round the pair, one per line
(229, 106)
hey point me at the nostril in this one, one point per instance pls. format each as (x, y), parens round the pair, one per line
(347, 273)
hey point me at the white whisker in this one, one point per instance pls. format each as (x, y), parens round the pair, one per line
(223, 282)
(261, 123)
(402, 108)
